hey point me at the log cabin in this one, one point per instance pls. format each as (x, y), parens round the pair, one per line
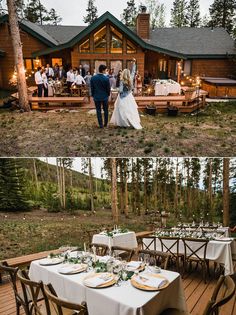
(160, 53)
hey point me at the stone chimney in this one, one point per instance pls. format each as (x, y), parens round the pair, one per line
(143, 23)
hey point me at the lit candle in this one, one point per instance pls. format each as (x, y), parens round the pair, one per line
(84, 247)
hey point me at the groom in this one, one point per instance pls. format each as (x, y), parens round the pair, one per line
(100, 89)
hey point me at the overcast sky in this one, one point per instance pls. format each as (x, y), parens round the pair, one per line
(72, 11)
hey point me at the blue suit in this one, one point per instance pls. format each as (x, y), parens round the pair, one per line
(100, 90)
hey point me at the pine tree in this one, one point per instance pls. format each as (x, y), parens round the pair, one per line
(157, 13)
(129, 14)
(53, 17)
(222, 13)
(179, 13)
(91, 13)
(193, 14)
(12, 186)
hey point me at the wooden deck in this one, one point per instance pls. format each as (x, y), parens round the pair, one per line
(196, 291)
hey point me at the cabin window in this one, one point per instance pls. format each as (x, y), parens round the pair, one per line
(37, 63)
(85, 47)
(100, 41)
(86, 65)
(97, 63)
(162, 65)
(187, 67)
(57, 61)
(28, 64)
(116, 41)
(131, 49)
(116, 65)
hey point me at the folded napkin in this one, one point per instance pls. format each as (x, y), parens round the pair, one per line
(151, 281)
(97, 281)
(70, 268)
(104, 259)
(134, 264)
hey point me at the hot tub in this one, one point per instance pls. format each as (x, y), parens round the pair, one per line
(219, 87)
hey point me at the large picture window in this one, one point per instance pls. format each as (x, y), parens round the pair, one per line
(84, 47)
(100, 42)
(116, 65)
(116, 44)
(131, 49)
(97, 63)
(57, 61)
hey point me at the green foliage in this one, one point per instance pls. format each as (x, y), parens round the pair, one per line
(179, 13)
(12, 186)
(91, 13)
(193, 14)
(130, 13)
(157, 13)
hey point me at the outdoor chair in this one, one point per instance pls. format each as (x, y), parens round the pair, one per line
(170, 245)
(21, 297)
(161, 258)
(195, 252)
(124, 253)
(39, 304)
(222, 294)
(62, 307)
(150, 242)
(101, 249)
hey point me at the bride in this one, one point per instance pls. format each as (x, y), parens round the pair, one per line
(126, 113)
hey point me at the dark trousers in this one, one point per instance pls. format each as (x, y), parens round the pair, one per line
(69, 86)
(98, 105)
(40, 90)
(45, 91)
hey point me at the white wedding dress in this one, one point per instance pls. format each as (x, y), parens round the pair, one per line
(125, 113)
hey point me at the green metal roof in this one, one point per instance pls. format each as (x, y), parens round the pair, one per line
(107, 16)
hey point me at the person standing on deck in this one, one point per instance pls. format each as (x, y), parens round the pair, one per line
(39, 81)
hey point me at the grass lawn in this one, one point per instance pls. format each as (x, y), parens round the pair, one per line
(36, 231)
(76, 134)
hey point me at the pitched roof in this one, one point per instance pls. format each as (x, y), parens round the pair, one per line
(62, 33)
(194, 42)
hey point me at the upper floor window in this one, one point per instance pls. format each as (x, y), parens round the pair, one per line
(84, 47)
(131, 49)
(116, 41)
(100, 42)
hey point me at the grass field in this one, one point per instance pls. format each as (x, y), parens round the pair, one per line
(212, 133)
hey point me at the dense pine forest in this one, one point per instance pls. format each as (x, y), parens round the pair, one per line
(182, 189)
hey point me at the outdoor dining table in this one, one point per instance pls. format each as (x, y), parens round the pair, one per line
(165, 88)
(116, 300)
(220, 251)
(127, 239)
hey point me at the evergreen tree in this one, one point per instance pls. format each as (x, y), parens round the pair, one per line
(129, 14)
(222, 13)
(12, 186)
(157, 13)
(53, 17)
(179, 13)
(91, 13)
(205, 21)
(193, 14)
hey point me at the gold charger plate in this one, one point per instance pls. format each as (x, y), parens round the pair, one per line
(104, 285)
(79, 270)
(147, 288)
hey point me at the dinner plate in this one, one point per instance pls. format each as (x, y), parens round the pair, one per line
(109, 283)
(71, 269)
(148, 288)
(51, 261)
(141, 268)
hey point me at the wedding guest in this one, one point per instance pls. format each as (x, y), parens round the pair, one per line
(79, 81)
(70, 79)
(49, 71)
(118, 78)
(112, 79)
(61, 73)
(137, 83)
(56, 71)
(45, 83)
(87, 79)
(39, 81)
(81, 71)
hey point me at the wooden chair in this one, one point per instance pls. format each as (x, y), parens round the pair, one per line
(39, 304)
(123, 252)
(101, 249)
(150, 242)
(61, 307)
(21, 298)
(195, 252)
(161, 258)
(170, 245)
(222, 294)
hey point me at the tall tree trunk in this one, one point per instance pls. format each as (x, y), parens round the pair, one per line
(91, 185)
(137, 190)
(35, 176)
(226, 191)
(176, 189)
(59, 180)
(18, 56)
(126, 206)
(210, 189)
(133, 200)
(114, 191)
(63, 186)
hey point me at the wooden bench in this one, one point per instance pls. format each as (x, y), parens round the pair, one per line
(184, 105)
(54, 100)
(25, 261)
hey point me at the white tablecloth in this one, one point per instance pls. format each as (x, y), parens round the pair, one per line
(218, 251)
(127, 240)
(166, 88)
(122, 300)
